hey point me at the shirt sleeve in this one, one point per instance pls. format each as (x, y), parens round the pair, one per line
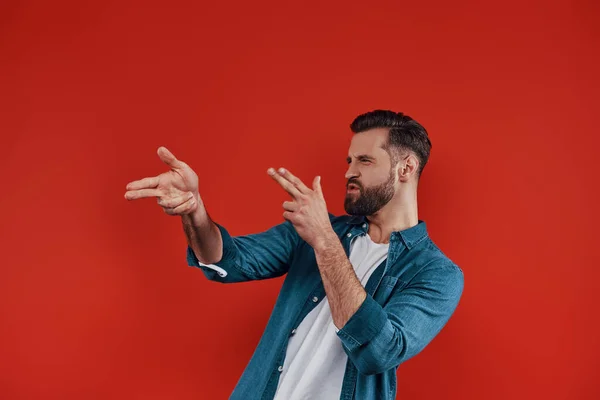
(255, 256)
(379, 338)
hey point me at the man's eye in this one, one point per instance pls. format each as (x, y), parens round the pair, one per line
(365, 161)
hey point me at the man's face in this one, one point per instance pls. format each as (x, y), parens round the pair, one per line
(370, 177)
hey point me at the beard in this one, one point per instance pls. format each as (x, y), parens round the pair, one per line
(370, 200)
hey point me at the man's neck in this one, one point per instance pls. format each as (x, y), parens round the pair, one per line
(399, 214)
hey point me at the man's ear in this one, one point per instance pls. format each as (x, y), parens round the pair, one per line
(407, 168)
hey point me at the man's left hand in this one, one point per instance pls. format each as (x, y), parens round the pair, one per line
(308, 211)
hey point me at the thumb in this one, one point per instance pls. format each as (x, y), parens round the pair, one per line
(168, 158)
(317, 185)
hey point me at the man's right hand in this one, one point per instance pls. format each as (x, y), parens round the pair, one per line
(176, 190)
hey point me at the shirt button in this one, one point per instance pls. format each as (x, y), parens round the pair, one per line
(315, 299)
(364, 225)
(280, 369)
(349, 234)
(293, 331)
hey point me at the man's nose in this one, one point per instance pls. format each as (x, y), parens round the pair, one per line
(351, 173)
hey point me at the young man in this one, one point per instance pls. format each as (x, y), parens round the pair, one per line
(364, 292)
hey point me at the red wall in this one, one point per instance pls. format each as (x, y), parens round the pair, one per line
(96, 300)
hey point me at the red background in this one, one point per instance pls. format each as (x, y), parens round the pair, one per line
(96, 300)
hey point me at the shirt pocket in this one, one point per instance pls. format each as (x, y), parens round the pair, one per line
(385, 289)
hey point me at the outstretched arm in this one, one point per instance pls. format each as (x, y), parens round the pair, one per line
(210, 247)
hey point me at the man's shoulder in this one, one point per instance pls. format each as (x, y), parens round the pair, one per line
(430, 256)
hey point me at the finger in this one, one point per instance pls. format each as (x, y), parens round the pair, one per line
(145, 183)
(291, 206)
(185, 208)
(168, 158)
(317, 185)
(172, 202)
(142, 193)
(285, 184)
(294, 179)
(288, 216)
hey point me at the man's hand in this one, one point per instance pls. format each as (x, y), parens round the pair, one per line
(308, 211)
(176, 190)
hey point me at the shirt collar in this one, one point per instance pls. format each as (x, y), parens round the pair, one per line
(410, 236)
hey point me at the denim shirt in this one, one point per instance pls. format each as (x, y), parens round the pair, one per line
(410, 297)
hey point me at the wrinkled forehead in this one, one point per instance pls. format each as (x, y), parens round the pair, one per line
(369, 142)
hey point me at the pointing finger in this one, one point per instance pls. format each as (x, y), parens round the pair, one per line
(285, 184)
(142, 193)
(145, 183)
(294, 179)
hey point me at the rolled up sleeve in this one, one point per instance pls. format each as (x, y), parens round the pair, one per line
(251, 257)
(378, 338)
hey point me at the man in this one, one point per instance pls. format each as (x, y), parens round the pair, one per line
(364, 292)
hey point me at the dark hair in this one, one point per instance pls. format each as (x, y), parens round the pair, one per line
(406, 134)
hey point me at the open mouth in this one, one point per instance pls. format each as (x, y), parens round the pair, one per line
(353, 188)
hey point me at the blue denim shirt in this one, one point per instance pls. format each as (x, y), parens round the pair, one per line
(410, 297)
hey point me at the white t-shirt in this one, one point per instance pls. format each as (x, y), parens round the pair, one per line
(315, 361)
